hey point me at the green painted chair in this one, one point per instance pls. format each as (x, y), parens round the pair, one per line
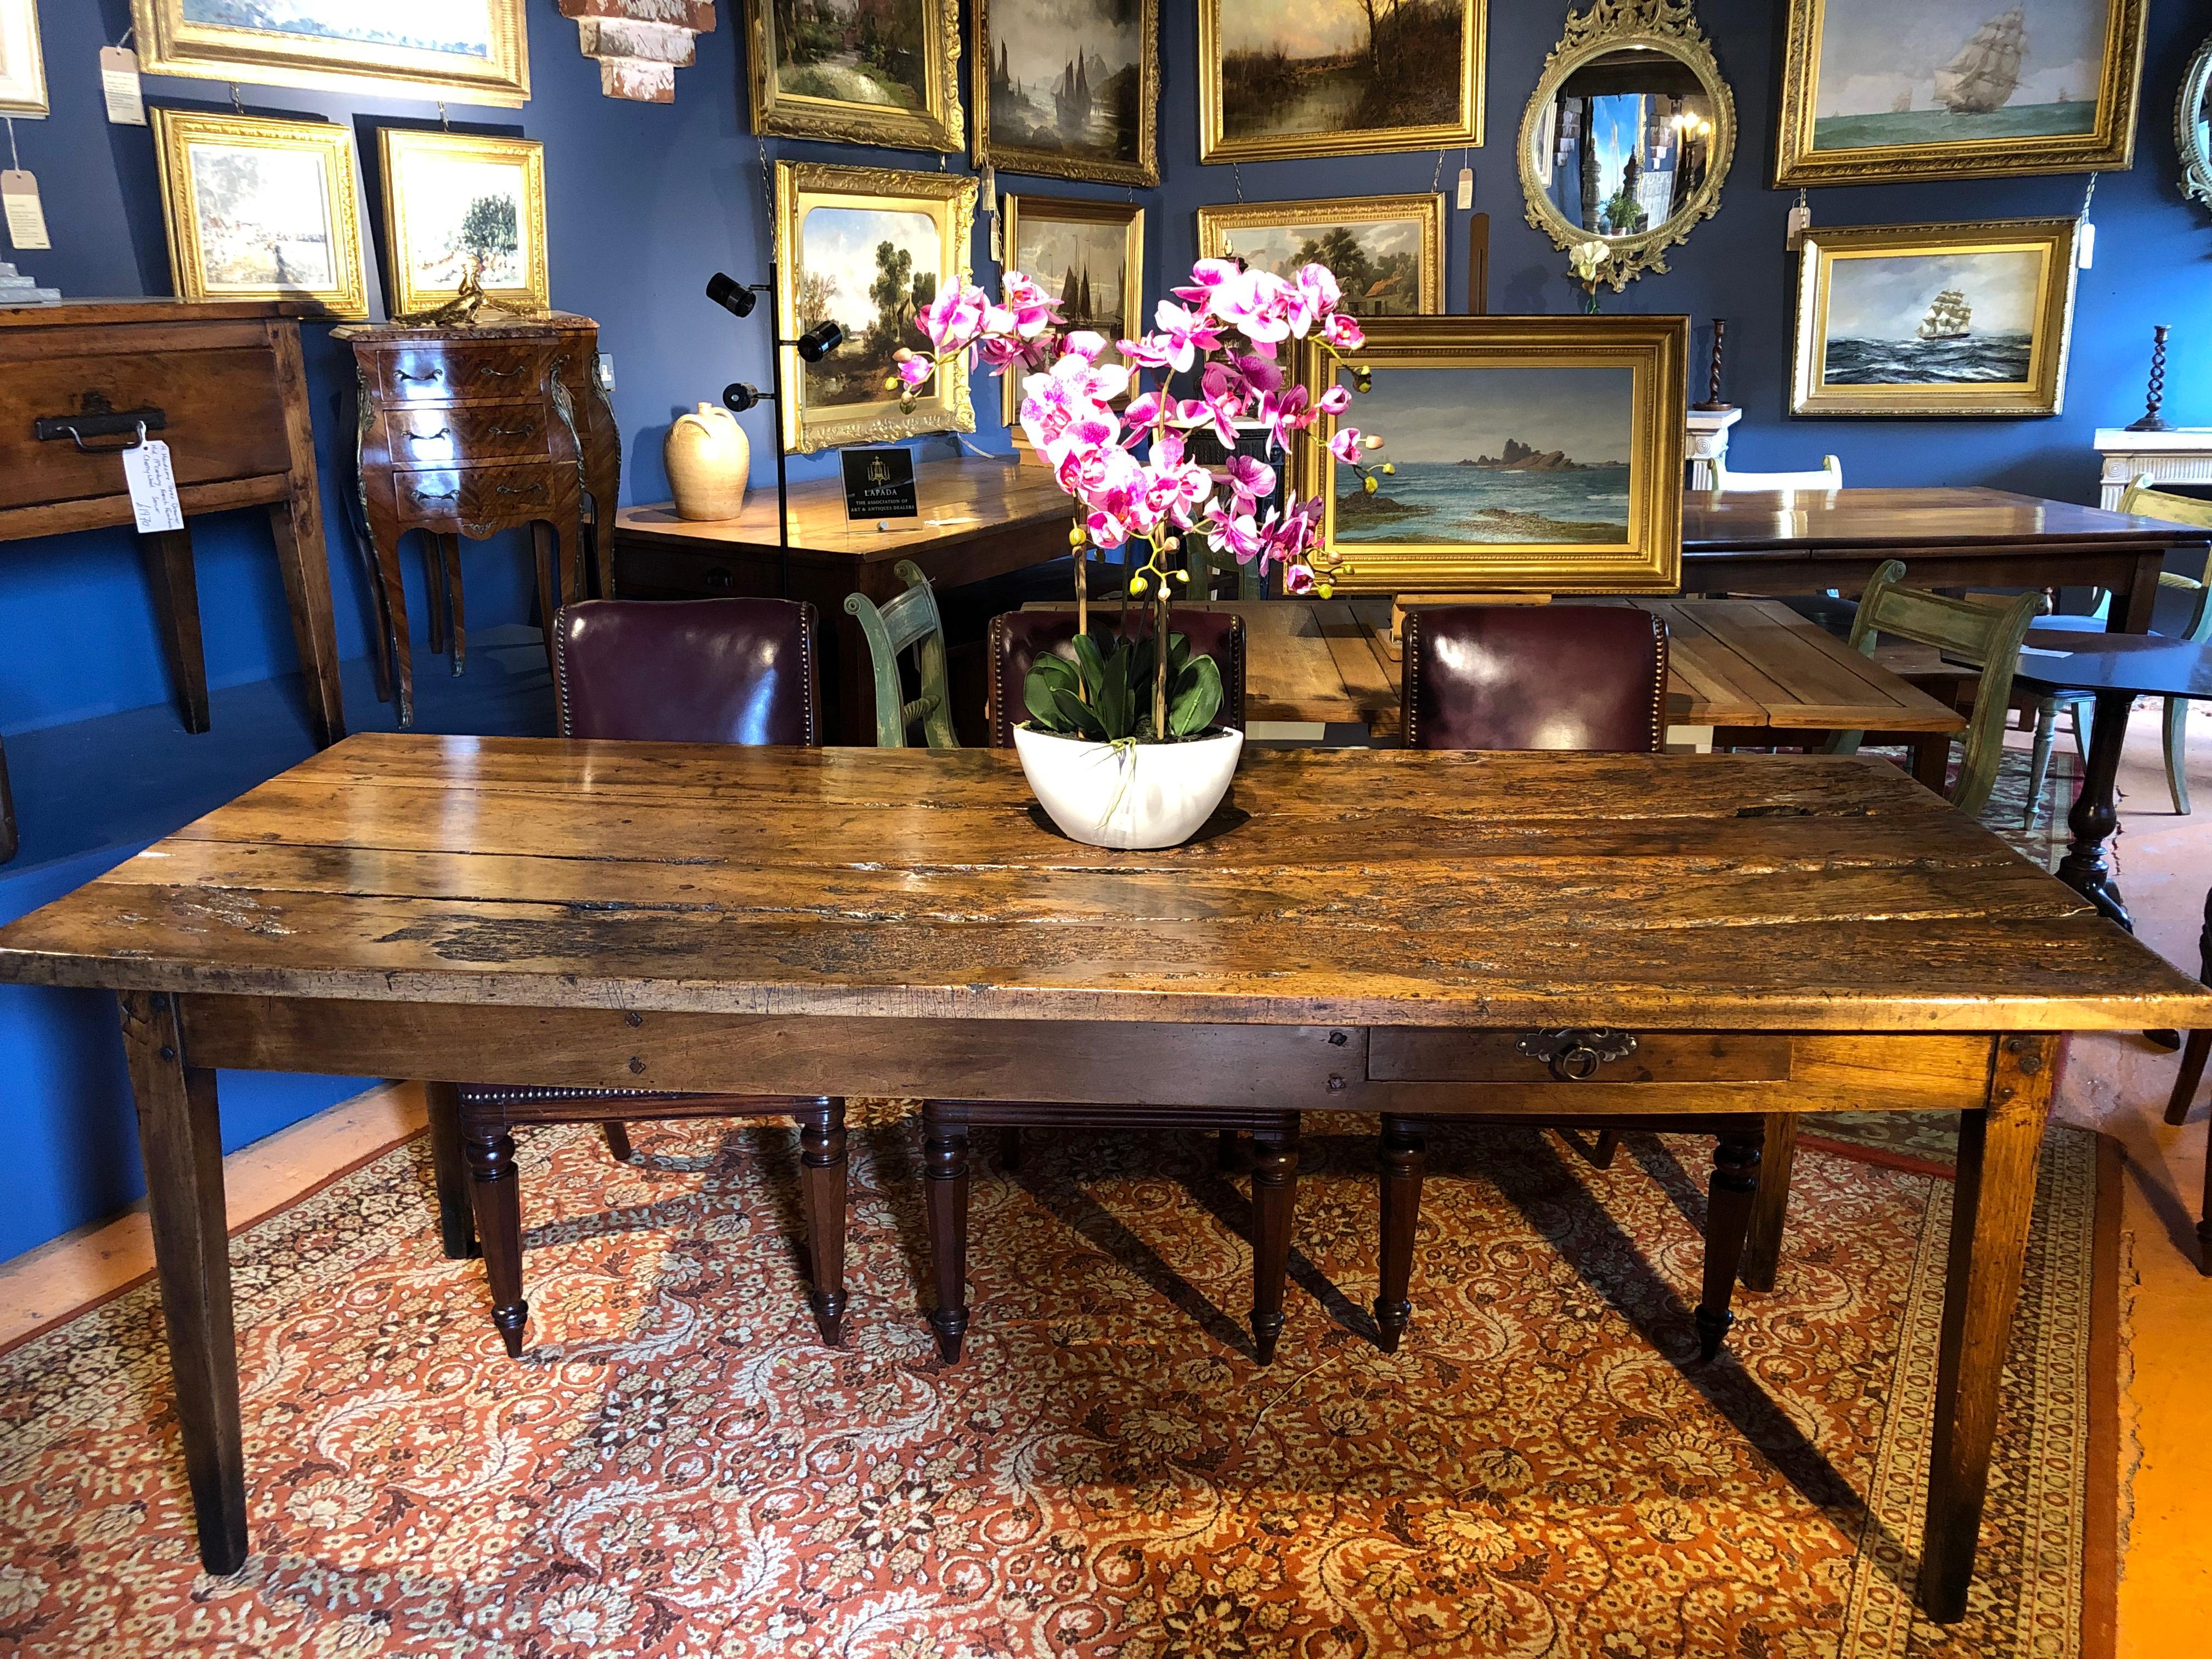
(1986, 635)
(911, 619)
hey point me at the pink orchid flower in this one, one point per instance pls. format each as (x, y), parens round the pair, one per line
(1335, 401)
(1345, 445)
(1250, 481)
(1343, 332)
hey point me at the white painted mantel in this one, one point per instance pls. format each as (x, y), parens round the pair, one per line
(1708, 442)
(2181, 457)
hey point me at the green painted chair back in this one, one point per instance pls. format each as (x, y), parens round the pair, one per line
(2142, 499)
(909, 620)
(1204, 563)
(1987, 636)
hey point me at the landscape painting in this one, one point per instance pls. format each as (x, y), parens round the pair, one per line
(1072, 87)
(870, 270)
(461, 28)
(1283, 78)
(23, 67)
(457, 204)
(857, 71)
(476, 49)
(1089, 257)
(1386, 253)
(1954, 86)
(1956, 319)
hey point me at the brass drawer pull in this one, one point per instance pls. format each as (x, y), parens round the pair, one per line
(429, 437)
(511, 432)
(1576, 1056)
(511, 489)
(434, 374)
(488, 373)
(421, 495)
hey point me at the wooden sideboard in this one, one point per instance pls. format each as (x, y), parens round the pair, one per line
(468, 431)
(222, 383)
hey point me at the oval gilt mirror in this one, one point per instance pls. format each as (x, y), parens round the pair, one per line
(2192, 126)
(1630, 135)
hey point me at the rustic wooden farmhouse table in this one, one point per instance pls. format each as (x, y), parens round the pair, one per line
(1361, 930)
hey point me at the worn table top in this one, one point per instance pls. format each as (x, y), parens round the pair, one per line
(1358, 887)
(1733, 663)
(1903, 521)
(958, 498)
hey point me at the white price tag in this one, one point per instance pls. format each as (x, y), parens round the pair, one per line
(152, 486)
(2088, 247)
(19, 201)
(119, 80)
(1465, 189)
(1801, 221)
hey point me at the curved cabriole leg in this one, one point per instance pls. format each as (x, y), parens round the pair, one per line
(1730, 1198)
(1274, 1201)
(1405, 1154)
(945, 1168)
(496, 1195)
(822, 1162)
(617, 1136)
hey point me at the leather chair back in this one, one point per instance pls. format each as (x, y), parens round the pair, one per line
(687, 671)
(1591, 677)
(1020, 637)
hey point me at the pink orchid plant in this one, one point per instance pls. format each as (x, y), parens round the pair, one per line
(1121, 447)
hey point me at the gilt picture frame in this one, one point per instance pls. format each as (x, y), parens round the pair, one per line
(1068, 89)
(1883, 91)
(819, 78)
(2193, 126)
(262, 210)
(1936, 320)
(1062, 242)
(1284, 79)
(22, 66)
(471, 51)
(454, 199)
(866, 247)
(1399, 240)
(1528, 454)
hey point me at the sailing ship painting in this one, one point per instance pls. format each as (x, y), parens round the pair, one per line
(1064, 78)
(1933, 320)
(1894, 73)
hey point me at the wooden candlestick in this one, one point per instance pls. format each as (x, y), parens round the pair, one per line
(1713, 402)
(2151, 420)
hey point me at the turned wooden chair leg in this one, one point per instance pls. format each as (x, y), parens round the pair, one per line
(496, 1192)
(822, 1161)
(944, 1169)
(1405, 1155)
(1009, 1147)
(1729, 1196)
(1762, 1250)
(617, 1136)
(456, 1228)
(1274, 1203)
(2193, 1056)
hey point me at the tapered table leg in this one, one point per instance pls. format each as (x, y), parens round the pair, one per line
(1769, 1211)
(457, 1228)
(1730, 1198)
(2096, 812)
(176, 605)
(181, 1142)
(1404, 1155)
(1274, 1203)
(944, 1169)
(1998, 1150)
(821, 1158)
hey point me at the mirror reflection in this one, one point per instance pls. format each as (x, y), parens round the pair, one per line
(1626, 144)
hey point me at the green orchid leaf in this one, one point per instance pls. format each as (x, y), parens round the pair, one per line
(1078, 716)
(1197, 698)
(1039, 692)
(1114, 697)
(1092, 661)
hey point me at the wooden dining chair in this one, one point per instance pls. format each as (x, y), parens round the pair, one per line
(697, 671)
(1016, 641)
(910, 621)
(1590, 679)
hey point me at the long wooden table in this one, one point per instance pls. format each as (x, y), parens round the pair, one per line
(1365, 930)
(1785, 541)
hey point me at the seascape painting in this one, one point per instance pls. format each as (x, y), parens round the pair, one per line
(855, 51)
(459, 28)
(1932, 318)
(264, 219)
(1085, 267)
(1066, 80)
(1912, 72)
(1494, 456)
(1376, 264)
(1308, 77)
(870, 269)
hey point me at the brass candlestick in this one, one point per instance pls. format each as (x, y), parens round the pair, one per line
(2151, 420)
(1713, 402)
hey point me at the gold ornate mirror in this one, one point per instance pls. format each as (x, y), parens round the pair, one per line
(1630, 135)
(2192, 126)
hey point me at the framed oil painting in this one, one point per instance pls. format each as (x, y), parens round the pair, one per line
(454, 202)
(1088, 255)
(22, 70)
(260, 210)
(1874, 91)
(865, 248)
(1528, 454)
(476, 50)
(857, 71)
(1936, 319)
(1285, 78)
(1071, 89)
(1387, 251)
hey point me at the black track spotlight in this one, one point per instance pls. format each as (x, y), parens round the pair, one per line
(733, 296)
(819, 341)
(738, 397)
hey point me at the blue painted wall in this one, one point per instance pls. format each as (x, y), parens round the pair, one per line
(644, 203)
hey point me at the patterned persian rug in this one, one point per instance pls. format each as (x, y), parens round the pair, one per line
(675, 1467)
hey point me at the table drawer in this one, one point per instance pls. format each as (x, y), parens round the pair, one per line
(481, 371)
(224, 413)
(663, 572)
(463, 434)
(477, 496)
(1414, 1056)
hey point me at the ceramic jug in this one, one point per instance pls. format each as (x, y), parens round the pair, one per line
(709, 461)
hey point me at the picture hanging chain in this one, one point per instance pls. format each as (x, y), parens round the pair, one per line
(1437, 183)
(2086, 240)
(1237, 173)
(237, 103)
(442, 120)
(15, 160)
(127, 33)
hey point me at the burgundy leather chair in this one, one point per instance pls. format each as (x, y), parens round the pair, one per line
(704, 670)
(1585, 677)
(1015, 642)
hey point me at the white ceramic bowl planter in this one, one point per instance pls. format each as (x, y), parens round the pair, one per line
(1128, 795)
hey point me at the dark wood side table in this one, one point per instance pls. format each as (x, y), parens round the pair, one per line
(466, 432)
(222, 384)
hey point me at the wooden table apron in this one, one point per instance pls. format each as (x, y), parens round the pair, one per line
(1365, 931)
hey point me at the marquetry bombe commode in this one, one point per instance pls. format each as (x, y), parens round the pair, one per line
(469, 430)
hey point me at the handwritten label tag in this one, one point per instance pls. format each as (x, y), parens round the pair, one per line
(19, 201)
(119, 80)
(1465, 189)
(152, 486)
